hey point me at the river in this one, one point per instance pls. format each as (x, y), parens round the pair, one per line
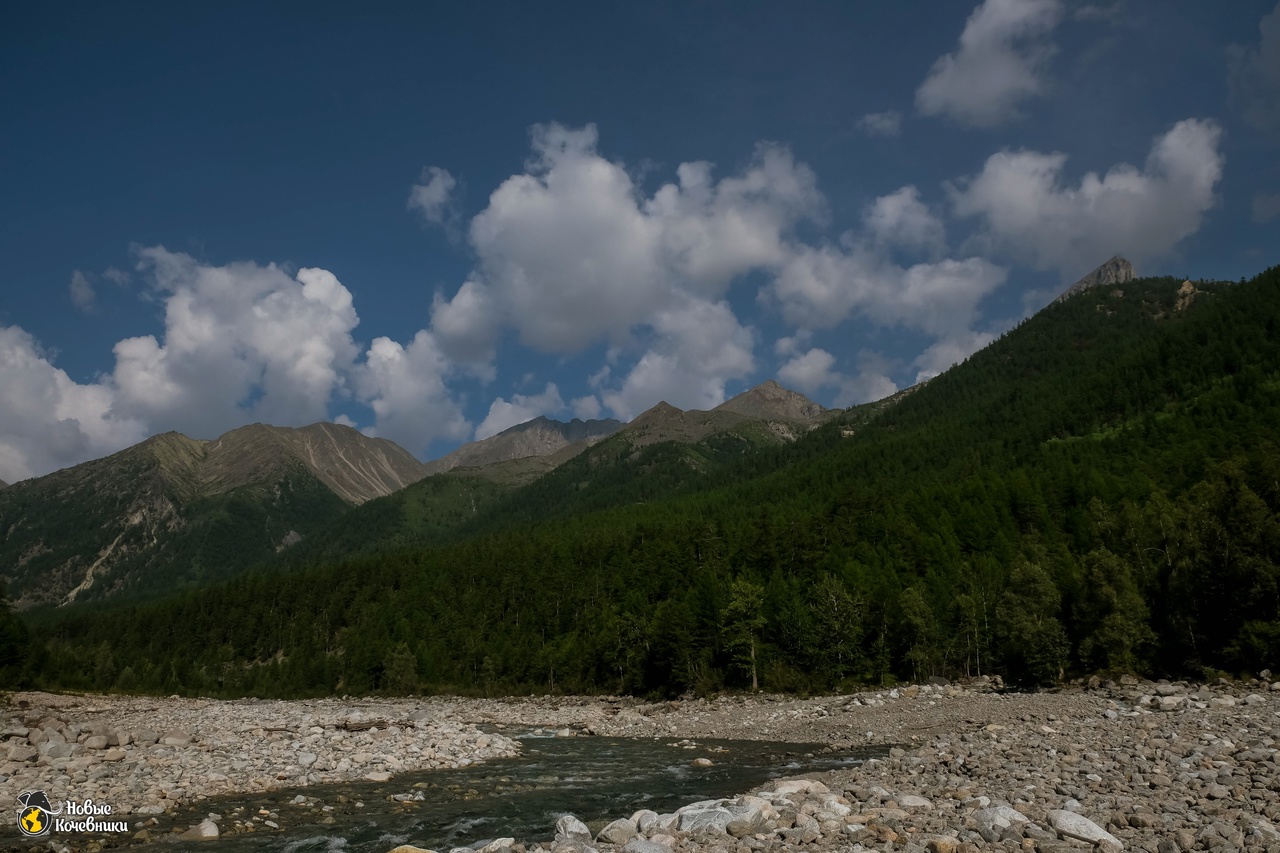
(595, 778)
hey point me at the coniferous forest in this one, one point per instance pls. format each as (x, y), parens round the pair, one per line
(1097, 491)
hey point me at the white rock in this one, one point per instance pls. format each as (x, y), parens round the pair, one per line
(1079, 827)
(205, 830)
(569, 828)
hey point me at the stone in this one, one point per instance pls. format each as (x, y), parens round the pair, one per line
(794, 786)
(176, 738)
(21, 753)
(409, 848)
(115, 754)
(1169, 703)
(1079, 827)
(569, 828)
(704, 815)
(306, 759)
(942, 844)
(618, 832)
(645, 820)
(702, 762)
(858, 832)
(96, 742)
(378, 776)
(911, 801)
(146, 737)
(639, 845)
(498, 845)
(1116, 270)
(63, 750)
(205, 830)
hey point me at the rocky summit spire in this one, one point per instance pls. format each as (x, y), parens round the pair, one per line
(1115, 271)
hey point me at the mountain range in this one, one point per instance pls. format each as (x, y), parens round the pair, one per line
(174, 512)
(1096, 491)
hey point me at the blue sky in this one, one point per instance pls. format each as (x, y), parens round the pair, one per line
(433, 224)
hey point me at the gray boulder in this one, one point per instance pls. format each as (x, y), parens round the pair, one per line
(620, 831)
(569, 828)
(1079, 827)
(645, 820)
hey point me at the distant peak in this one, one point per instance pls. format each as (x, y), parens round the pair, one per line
(1115, 270)
(772, 401)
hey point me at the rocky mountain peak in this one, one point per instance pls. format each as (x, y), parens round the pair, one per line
(539, 437)
(771, 401)
(1115, 270)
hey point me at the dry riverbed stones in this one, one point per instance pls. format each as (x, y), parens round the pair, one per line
(1104, 768)
(144, 756)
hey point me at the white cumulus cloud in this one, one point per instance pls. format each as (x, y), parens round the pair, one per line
(699, 346)
(520, 409)
(1031, 211)
(820, 288)
(572, 252)
(1000, 62)
(815, 370)
(405, 387)
(241, 342)
(902, 220)
(49, 421)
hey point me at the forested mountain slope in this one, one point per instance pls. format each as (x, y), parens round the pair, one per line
(174, 512)
(1096, 490)
(662, 453)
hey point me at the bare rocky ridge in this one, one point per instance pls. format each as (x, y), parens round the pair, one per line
(1116, 270)
(770, 401)
(353, 466)
(540, 437)
(769, 410)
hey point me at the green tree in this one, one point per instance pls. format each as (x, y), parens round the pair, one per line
(400, 672)
(1119, 635)
(1033, 645)
(743, 619)
(920, 627)
(837, 621)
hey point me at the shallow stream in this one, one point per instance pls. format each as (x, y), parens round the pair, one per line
(595, 778)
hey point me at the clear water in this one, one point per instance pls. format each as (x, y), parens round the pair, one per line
(595, 778)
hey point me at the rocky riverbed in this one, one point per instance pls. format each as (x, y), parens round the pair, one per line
(145, 756)
(1140, 766)
(1128, 765)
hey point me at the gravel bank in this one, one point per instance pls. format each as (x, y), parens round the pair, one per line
(1135, 766)
(144, 755)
